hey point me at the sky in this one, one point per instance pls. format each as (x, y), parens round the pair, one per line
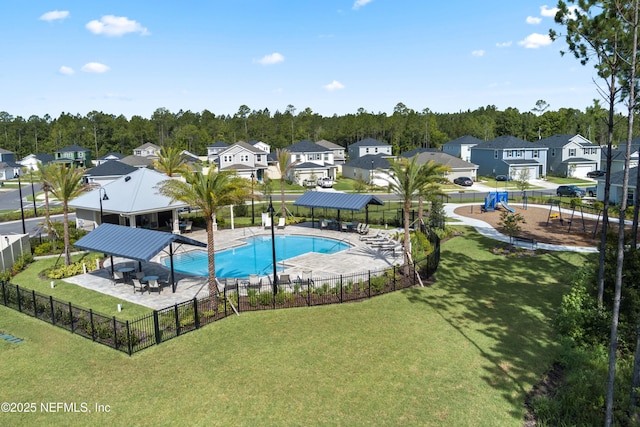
(332, 56)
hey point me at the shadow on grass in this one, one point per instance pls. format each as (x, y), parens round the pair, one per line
(502, 306)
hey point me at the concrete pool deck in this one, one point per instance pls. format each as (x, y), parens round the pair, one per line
(361, 257)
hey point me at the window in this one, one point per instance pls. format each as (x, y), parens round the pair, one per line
(535, 153)
(553, 152)
(572, 152)
(314, 156)
(326, 157)
(495, 154)
(376, 150)
(258, 157)
(509, 153)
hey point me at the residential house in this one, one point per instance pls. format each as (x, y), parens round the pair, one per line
(147, 149)
(615, 192)
(138, 161)
(461, 147)
(244, 159)
(73, 155)
(368, 146)
(35, 161)
(511, 156)
(338, 151)
(571, 155)
(457, 167)
(261, 145)
(107, 172)
(213, 151)
(9, 169)
(372, 168)
(107, 157)
(312, 161)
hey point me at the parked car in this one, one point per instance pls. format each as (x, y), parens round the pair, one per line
(503, 178)
(592, 191)
(571, 191)
(325, 182)
(464, 181)
(596, 174)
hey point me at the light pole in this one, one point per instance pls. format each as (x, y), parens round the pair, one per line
(33, 194)
(24, 228)
(253, 217)
(101, 198)
(273, 249)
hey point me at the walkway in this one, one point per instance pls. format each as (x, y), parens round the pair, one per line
(490, 232)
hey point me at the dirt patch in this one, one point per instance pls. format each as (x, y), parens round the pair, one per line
(559, 229)
(546, 387)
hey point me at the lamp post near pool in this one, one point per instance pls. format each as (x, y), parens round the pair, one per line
(273, 248)
(101, 198)
(24, 228)
(253, 217)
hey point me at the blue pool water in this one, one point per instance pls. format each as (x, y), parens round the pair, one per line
(255, 257)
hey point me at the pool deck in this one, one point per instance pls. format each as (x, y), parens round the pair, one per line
(361, 257)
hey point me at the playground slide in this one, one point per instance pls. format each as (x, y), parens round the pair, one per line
(507, 207)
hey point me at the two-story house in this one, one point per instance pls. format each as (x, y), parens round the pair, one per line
(312, 161)
(73, 155)
(457, 167)
(461, 147)
(511, 156)
(107, 157)
(244, 159)
(8, 166)
(571, 155)
(147, 149)
(368, 146)
(213, 151)
(338, 151)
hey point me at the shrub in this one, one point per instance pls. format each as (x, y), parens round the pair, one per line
(265, 298)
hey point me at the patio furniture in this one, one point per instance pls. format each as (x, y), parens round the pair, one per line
(153, 284)
(118, 277)
(323, 224)
(254, 281)
(141, 277)
(365, 229)
(230, 285)
(137, 286)
(281, 223)
(187, 227)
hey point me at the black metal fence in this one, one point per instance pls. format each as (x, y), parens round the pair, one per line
(131, 336)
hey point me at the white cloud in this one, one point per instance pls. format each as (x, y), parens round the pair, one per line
(504, 44)
(533, 20)
(271, 59)
(114, 26)
(535, 40)
(67, 71)
(54, 15)
(334, 85)
(95, 67)
(478, 52)
(359, 3)
(548, 12)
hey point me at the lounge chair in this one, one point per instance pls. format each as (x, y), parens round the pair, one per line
(323, 224)
(377, 236)
(281, 223)
(267, 222)
(365, 229)
(344, 227)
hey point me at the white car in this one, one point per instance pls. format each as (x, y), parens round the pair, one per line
(325, 182)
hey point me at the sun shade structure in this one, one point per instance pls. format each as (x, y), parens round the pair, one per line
(339, 201)
(133, 243)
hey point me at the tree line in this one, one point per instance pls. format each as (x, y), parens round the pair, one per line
(404, 129)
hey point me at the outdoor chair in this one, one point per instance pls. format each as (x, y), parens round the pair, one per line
(323, 224)
(364, 229)
(187, 228)
(343, 226)
(118, 277)
(281, 223)
(254, 281)
(139, 276)
(153, 284)
(230, 285)
(137, 286)
(284, 280)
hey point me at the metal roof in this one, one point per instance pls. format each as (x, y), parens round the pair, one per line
(335, 200)
(138, 244)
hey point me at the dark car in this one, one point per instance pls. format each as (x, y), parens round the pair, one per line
(464, 181)
(503, 178)
(592, 191)
(596, 174)
(571, 191)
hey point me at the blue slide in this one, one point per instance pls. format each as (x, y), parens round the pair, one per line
(506, 206)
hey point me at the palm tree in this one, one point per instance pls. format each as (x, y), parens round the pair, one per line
(65, 184)
(208, 191)
(283, 156)
(408, 179)
(170, 161)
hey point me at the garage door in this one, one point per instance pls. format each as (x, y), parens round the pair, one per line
(533, 172)
(581, 170)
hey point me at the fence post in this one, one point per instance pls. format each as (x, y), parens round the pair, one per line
(196, 318)
(341, 296)
(177, 317)
(414, 273)
(369, 283)
(53, 313)
(224, 297)
(35, 308)
(71, 316)
(19, 299)
(308, 292)
(129, 346)
(394, 277)
(4, 292)
(115, 333)
(93, 329)
(156, 326)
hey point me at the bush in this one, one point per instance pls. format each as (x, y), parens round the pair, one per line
(74, 269)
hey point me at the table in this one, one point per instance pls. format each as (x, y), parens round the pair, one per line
(148, 278)
(125, 272)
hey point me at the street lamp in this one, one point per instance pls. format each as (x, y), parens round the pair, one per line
(33, 194)
(101, 198)
(253, 217)
(273, 249)
(24, 228)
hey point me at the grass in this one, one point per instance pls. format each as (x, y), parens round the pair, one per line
(462, 352)
(64, 291)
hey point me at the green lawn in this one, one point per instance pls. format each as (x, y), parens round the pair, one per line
(461, 352)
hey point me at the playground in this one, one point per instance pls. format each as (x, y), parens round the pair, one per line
(545, 224)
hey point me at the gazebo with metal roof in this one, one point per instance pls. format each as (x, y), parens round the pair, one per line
(138, 244)
(339, 201)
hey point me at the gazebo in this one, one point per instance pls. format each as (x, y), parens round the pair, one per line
(339, 201)
(137, 244)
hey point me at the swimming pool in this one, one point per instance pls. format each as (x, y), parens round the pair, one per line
(255, 257)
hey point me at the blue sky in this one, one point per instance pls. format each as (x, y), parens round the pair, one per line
(333, 56)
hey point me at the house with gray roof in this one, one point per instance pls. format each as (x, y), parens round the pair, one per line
(244, 159)
(312, 161)
(35, 161)
(132, 200)
(511, 156)
(138, 161)
(368, 146)
(213, 150)
(461, 147)
(615, 193)
(9, 168)
(457, 167)
(107, 172)
(372, 168)
(107, 157)
(338, 151)
(73, 155)
(571, 155)
(148, 149)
